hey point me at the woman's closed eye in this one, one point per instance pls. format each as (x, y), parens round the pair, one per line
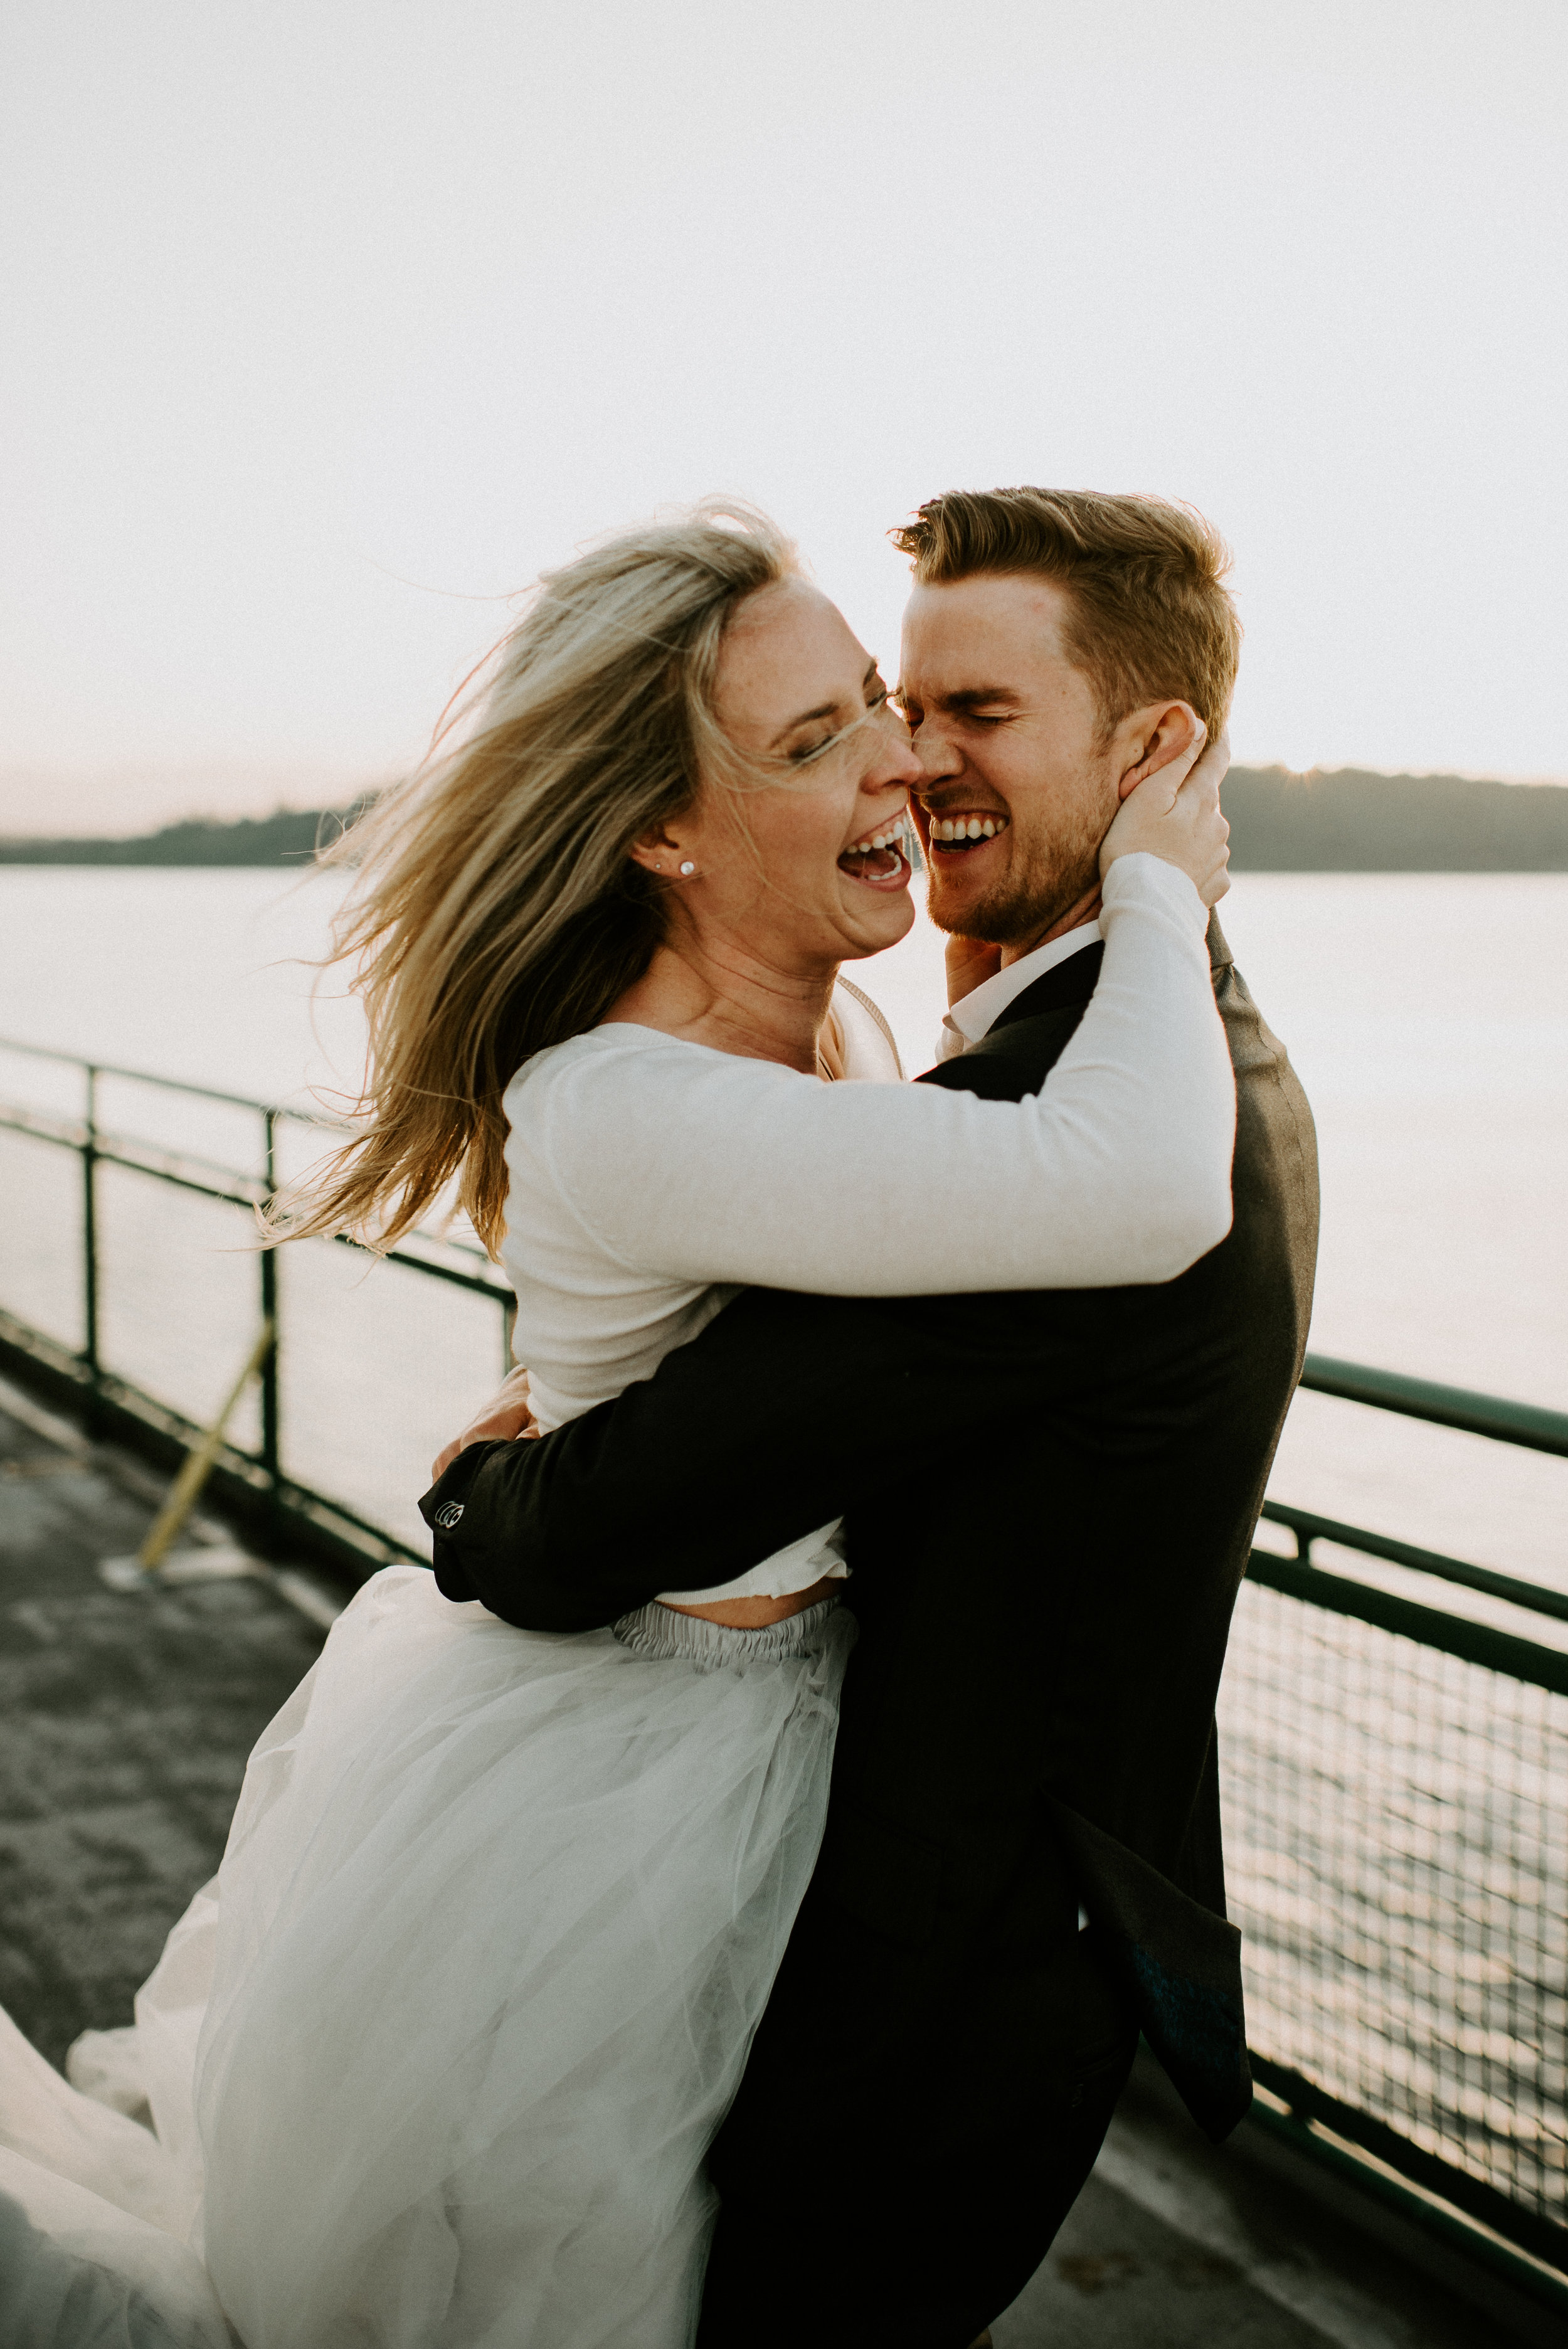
(805, 752)
(877, 698)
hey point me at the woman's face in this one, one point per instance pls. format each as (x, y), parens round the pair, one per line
(814, 869)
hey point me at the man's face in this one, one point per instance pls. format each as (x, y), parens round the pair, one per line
(1008, 734)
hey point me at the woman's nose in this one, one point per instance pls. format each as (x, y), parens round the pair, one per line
(901, 766)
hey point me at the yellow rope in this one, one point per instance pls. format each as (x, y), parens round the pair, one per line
(193, 1475)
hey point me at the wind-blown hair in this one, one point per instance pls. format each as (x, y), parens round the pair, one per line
(1151, 614)
(496, 910)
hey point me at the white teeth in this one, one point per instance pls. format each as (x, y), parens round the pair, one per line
(967, 827)
(893, 837)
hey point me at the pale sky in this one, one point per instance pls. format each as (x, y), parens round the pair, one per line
(329, 326)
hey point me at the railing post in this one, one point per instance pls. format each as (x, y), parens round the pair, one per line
(90, 1244)
(270, 1315)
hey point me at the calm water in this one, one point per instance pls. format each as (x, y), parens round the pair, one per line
(1427, 1015)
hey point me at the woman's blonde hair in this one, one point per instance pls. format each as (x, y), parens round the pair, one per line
(496, 910)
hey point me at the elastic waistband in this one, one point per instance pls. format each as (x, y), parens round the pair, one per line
(656, 1630)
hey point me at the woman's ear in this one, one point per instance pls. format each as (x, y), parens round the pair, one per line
(656, 851)
(1151, 737)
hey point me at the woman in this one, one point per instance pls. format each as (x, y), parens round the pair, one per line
(499, 1911)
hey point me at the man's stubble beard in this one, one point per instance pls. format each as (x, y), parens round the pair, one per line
(1049, 880)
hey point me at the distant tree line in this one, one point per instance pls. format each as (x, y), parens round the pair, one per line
(1350, 821)
(289, 837)
(1343, 821)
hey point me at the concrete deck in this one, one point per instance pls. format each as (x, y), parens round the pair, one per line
(1178, 2244)
(124, 1721)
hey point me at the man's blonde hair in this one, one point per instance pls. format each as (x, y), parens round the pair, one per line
(496, 908)
(1151, 613)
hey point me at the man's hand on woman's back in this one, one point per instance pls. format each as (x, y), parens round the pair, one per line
(508, 1414)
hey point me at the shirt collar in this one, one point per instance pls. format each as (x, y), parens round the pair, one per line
(977, 1013)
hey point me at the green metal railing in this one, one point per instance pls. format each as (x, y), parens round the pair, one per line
(345, 1534)
(1527, 1425)
(1339, 1664)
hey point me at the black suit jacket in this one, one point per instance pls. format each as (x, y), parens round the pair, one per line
(1051, 1496)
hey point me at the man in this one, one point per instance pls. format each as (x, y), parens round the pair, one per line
(1050, 1500)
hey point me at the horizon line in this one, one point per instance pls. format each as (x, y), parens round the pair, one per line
(33, 777)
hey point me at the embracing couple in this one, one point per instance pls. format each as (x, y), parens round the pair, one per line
(722, 1902)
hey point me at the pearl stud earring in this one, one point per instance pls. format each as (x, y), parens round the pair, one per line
(687, 869)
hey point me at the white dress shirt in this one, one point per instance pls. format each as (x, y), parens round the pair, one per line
(975, 1014)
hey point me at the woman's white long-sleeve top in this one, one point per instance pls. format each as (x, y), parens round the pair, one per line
(650, 1176)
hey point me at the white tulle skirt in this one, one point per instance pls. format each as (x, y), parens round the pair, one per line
(438, 2058)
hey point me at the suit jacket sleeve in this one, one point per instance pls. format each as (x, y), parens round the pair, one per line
(745, 1439)
(784, 1412)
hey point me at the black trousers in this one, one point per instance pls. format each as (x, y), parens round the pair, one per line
(911, 2133)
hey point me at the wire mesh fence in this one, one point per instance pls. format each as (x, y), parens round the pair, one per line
(1397, 1852)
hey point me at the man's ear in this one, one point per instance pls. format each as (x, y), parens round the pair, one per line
(1148, 739)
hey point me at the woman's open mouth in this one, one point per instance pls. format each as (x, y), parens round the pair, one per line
(882, 859)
